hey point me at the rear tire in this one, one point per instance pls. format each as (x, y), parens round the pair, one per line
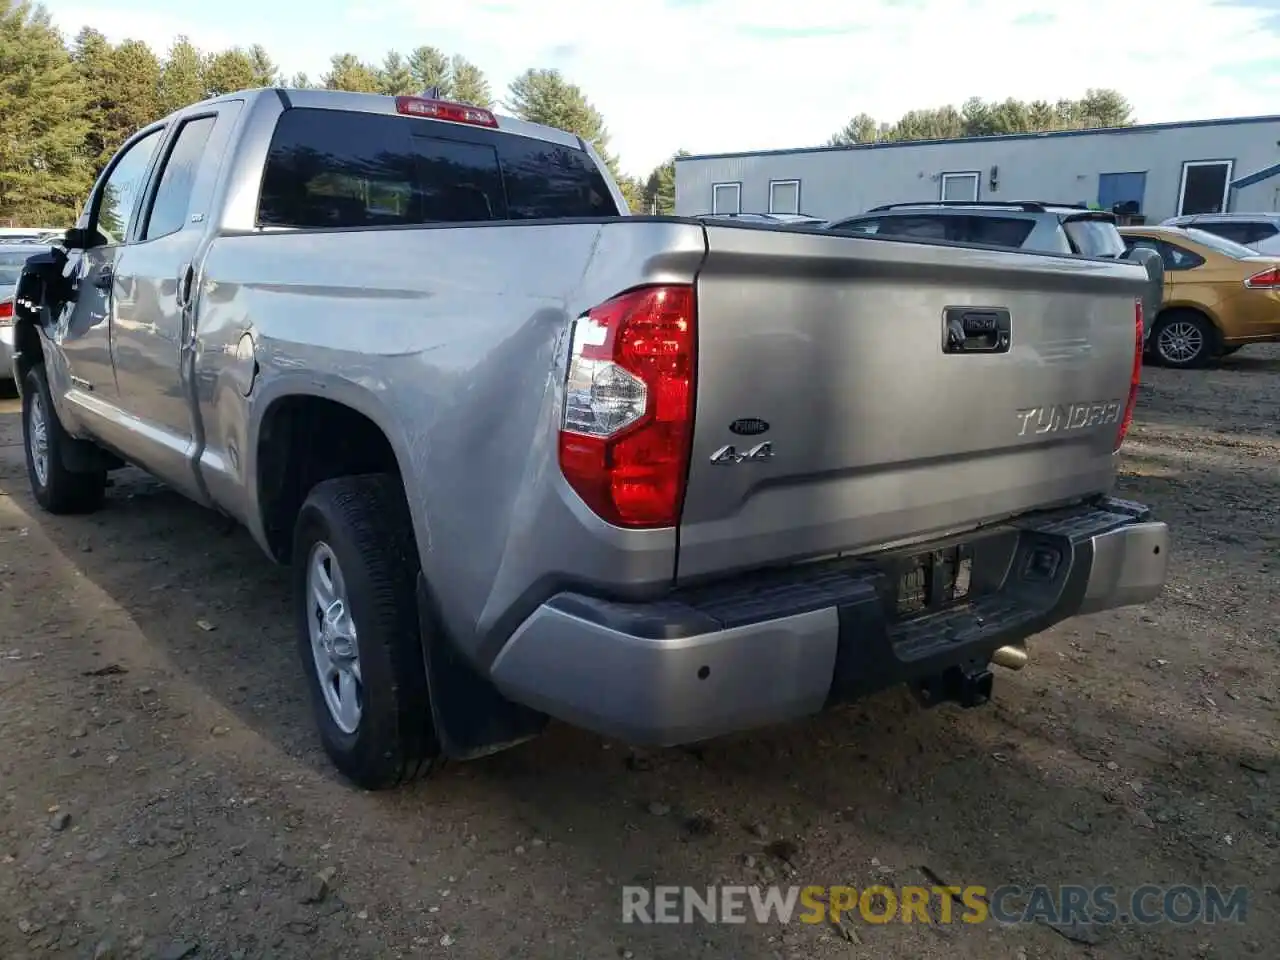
(1184, 339)
(355, 568)
(57, 489)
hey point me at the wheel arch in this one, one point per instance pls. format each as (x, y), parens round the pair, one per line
(307, 432)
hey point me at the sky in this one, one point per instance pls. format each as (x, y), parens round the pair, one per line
(712, 76)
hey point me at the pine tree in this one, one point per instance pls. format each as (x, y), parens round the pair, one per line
(346, 72)
(43, 174)
(660, 187)
(265, 71)
(545, 96)
(229, 71)
(181, 83)
(395, 77)
(91, 54)
(468, 83)
(430, 68)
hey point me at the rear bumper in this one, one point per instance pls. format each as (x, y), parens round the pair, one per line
(776, 646)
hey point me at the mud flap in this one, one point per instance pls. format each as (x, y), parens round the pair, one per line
(472, 719)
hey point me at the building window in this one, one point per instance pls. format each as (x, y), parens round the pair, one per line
(726, 198)
(784, 196)
(960, 186)
(1204, 188)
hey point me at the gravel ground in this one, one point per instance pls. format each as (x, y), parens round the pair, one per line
(162, 793)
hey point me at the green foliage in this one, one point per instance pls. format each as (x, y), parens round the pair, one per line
(181, 78)
(348, 72)
(44, 175)
(660, 188)
(545, 96)
(468, 83)
(979, 118)
(395, 77)
(430, 68)
(66, 110)
(229, 71)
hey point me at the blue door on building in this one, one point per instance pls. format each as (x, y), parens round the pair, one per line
(1116, 188)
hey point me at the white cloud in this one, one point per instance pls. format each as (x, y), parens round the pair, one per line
(724, 75)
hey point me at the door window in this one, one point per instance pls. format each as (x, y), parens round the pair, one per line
(123, 187)
(172, 201)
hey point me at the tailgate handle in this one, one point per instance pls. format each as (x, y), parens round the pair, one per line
(976, 330)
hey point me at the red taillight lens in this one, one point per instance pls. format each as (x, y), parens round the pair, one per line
(6, 311)
(445, 110)
(627, 424)
(1135, 378)
(1266, 280)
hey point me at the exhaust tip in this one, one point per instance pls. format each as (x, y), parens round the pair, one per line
(1012, 657)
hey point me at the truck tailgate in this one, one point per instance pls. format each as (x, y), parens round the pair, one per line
(833, 415)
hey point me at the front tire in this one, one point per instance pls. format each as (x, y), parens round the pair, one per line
(355, 567)
(57, 489)
(1184, 339)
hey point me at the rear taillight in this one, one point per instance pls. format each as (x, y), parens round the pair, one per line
(6, 312)
(1135, 377)
(1266, 280)
(627, 424)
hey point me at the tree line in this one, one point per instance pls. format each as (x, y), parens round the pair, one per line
(982, 118)
(65, 107)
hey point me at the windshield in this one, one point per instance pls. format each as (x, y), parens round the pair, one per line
(1094, 238)
(1228, 248)
(11, 264)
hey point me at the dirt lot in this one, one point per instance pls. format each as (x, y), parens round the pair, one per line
(162, 794)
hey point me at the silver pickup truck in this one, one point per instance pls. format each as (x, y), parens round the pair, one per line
(529, 457)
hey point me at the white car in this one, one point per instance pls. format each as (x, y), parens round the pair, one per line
(1258, 231)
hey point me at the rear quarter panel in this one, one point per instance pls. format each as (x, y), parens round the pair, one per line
(451, 341)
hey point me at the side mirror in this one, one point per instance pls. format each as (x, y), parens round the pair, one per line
(1154, 265)
(77, 238)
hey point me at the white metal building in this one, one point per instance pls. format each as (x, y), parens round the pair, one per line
(1166, 169)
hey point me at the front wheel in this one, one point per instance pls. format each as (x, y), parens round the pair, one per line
(355, 567)
(56, 489)
(1184, 338)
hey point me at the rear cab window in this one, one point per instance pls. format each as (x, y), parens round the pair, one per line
(330, 168)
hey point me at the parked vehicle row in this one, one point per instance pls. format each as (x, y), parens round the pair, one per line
(529, 457)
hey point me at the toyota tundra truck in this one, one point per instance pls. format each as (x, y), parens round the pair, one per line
(529, 457)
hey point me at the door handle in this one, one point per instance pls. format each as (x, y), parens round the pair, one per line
(105, 279)
(976, 330)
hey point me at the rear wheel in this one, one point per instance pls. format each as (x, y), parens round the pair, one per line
(1184, 338)
(355, 567)
(55, 488)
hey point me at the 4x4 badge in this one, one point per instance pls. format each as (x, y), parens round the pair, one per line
(759, 453)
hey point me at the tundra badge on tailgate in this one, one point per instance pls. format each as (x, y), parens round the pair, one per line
(1069, 416)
